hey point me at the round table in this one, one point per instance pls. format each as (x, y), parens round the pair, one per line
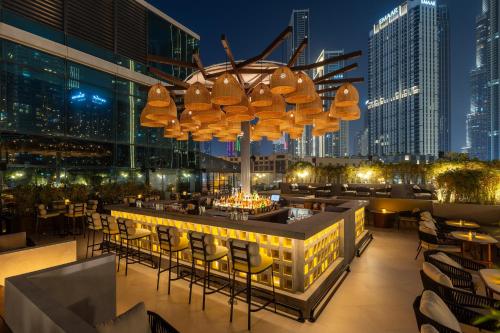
(479, 239)
(462, 224)
(383, 218)
(491, 279)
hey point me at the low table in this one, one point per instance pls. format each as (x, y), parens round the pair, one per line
(462, 224)
(484, 240)
(383, 218)
(491, 279)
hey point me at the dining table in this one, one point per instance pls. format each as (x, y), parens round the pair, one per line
(491, 280)
(462, 224)
(478, 240)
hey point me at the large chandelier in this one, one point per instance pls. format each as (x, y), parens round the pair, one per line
(279, 99)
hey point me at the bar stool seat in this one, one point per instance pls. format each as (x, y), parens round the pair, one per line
(137, 233)
(183, 245)
(219, 253)
(255, 268)
(109, 230)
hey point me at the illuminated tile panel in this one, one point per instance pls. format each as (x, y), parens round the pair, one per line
(277, 247)
(359, 220)
(320, 251)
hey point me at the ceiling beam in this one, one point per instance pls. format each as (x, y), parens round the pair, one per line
(229, 53)
(328, 61)
(298, 51)
(167, 77)
(168, 61)
(269, 49)
(327, 98)
(199, 64)
(322, 91)
(339, 71)
(345, 80)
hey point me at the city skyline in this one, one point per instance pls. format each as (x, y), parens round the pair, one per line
(242, 31)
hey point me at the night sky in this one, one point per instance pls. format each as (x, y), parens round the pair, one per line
(251, 25)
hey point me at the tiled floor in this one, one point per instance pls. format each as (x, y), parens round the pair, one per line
(376, 297)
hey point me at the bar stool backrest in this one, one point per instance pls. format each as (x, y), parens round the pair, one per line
(166, 235)
(94, 220)
(77, 209)
(105, 221)
(427, 237)
(243, 252)
(122, 227)
(200, 242)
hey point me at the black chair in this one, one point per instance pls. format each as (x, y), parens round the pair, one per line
(241, 262)
(109, 233)
(132, 235)
(459, 277)
(432, 242)
(159, 325)
(423, 319)
(165, 235)
(458, 296)
(92, 227)
(199, 243)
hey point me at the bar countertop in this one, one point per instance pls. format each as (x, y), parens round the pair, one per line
(301, 229)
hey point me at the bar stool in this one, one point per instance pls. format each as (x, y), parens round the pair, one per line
(109, 231)
(171, 241)
(93, 224)
(42, 214)
(203, 248)
(246, 258)
(131, 234)
(76, 211)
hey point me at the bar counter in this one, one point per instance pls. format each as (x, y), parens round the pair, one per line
(302, 250)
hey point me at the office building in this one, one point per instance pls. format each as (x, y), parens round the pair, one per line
(404, 81)
(479, 118)
(300, 22)
(443, 26)
(492, 8)
(334, 144)
(74, 81)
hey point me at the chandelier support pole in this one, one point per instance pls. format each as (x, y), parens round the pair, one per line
(245, 157)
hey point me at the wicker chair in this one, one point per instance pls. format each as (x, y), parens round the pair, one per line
(429, 241)
(458, 296)
(423, 319)
(159, 325)
(459, 277)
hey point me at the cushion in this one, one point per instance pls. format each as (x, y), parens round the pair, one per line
(435, 274)
(435, 308)
(96, 218)
(443, 257)
(253, 248)
(134, 320)
(426, 215)
(427, 230)
(428, 224)
(427, 328)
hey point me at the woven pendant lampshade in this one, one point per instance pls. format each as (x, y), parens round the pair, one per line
(283, 81)
(158, 96)
(173, 126)
(267, 130)
(172, 135)
(228, 138)
(295, 135)
(248, 115)
(261, 96)
(226, 90)
(305, 92)
(273, 136)
(208, 116)
(221, 125)
(202, 138)
(313, 107)
(197, 98)
(205, 130)
(287, 121)
(319, 131)
(148, 122)
(187, 122)
(275, 111)
(345, 113)
(184, 136)
(163, 114)
(302, 119)
(347, 95)
(233, 127)
(325, 122)
(241, 107)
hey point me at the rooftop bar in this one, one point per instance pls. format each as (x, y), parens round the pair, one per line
(305, 252)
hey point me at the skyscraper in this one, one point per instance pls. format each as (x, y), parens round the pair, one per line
(299, 21)
(404, 82)
(443, 19)
(493, 13)
(335, 144)
(479, 117)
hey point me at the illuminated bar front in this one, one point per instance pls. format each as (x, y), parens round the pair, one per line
(302, 251)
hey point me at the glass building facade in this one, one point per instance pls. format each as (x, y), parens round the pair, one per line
(63, 117)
